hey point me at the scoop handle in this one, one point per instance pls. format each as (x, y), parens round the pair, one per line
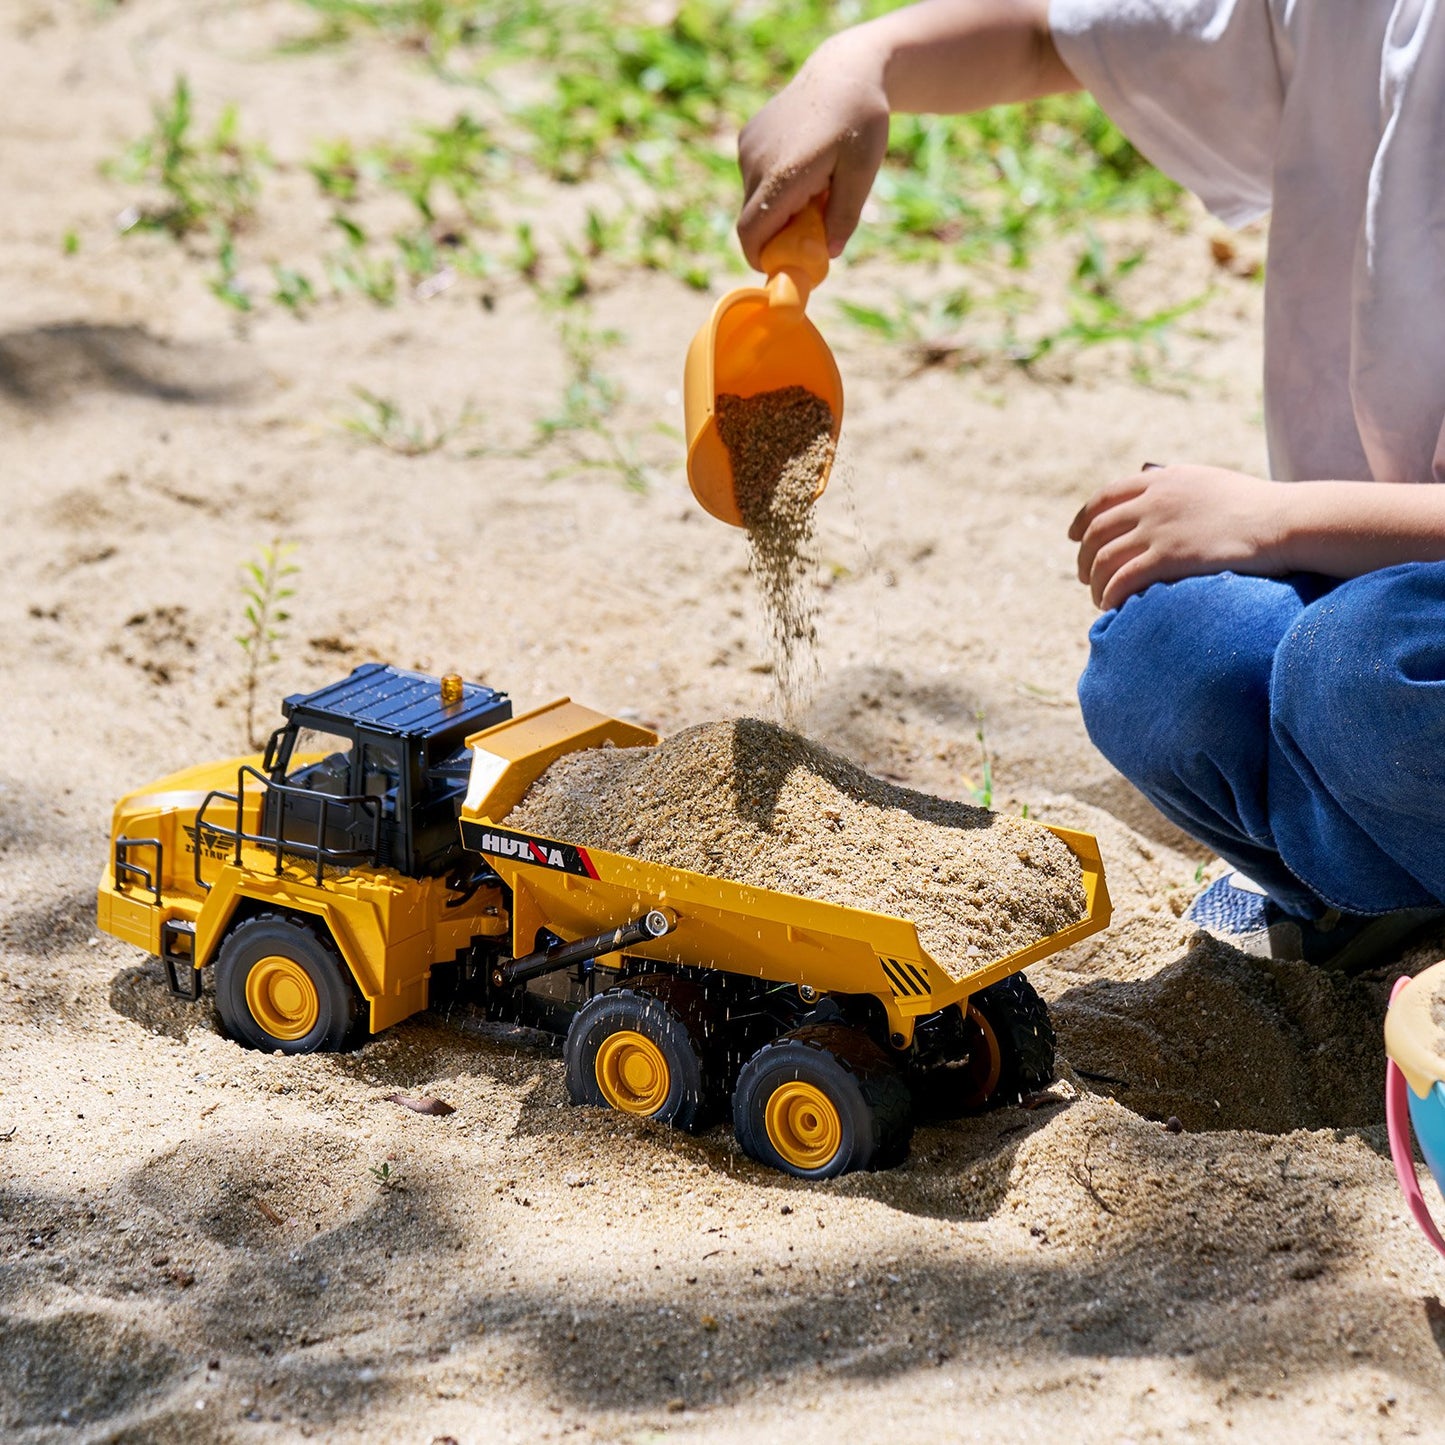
(796, 259)
(1397, 1124)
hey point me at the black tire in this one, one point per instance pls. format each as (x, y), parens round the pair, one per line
(329, 1018)
(705, 1025)
(1007, 1051)
(872, 1111)
(607, 1067)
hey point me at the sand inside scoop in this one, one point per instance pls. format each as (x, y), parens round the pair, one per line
(754, 803)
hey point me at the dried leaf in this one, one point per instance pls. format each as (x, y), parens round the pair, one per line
(421, 1104)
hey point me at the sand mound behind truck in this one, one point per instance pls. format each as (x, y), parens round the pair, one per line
(751, 802)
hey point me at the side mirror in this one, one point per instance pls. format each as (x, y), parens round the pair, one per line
(273, 746)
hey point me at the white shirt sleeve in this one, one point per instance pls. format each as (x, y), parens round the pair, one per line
(1196, 85)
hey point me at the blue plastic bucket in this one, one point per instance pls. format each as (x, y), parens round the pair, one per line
(1415, 1088)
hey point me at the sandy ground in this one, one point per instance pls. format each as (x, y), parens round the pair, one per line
(196, 1245)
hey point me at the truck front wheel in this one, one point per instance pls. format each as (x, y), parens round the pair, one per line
(281, 984)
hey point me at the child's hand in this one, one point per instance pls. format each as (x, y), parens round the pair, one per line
(1182, 521)
(827, 131)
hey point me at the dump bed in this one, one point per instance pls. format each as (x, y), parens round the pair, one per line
(575, 891)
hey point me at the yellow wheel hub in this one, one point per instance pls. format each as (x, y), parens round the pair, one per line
(803, 1125)
(632, 1073)
(282, 998)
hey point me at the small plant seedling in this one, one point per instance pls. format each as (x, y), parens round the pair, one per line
(264, 587)
(227, 284)
(382, 422)
(293, 289)
(588, 401)
(384, 1175)
(983, 793)
(206, 182)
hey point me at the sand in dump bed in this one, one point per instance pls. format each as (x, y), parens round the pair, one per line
(755, 803)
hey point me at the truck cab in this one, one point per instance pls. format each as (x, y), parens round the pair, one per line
(372, 769)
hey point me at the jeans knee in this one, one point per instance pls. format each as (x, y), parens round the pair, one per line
(1181, 672)
(1359, 685)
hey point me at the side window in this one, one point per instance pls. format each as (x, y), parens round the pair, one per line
(381, 772)
(321, 763)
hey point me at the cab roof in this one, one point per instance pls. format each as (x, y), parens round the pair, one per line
(386, 699)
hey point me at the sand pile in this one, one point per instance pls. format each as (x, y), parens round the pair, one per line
(1222, 1041)
(781, 446)
(755, 803)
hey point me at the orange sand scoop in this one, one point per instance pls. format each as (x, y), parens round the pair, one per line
(757, 340)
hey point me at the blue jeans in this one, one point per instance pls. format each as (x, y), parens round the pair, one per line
(1295, 725)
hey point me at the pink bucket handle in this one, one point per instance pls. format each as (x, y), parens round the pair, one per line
(1397, 1122)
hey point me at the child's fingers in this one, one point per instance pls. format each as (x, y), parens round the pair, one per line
(1135, 575)
(1124, 490)
(773, 202)
(1102, 529)
(1120, 570)
(858, 160)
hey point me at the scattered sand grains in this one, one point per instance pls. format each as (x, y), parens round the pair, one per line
(752, 802)
(781, 445)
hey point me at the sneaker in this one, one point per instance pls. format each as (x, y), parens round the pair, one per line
(1237, 911)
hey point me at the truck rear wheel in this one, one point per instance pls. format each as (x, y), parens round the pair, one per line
(632, 1050)
(281, 984)
(821, 1101)
(1009, 1051)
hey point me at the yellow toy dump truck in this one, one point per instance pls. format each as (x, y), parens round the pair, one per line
(362, 870)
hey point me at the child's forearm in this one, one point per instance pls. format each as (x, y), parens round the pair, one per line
(956, 56)
(1189, 520)
(1344, 529)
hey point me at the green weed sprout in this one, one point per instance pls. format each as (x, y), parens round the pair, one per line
(207, 182)
(983, 794)
(588, 401)
(382, 422)
(263, 585)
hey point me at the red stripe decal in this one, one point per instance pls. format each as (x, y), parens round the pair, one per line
(586, 862)
(537, 853)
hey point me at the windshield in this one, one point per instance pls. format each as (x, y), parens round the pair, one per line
(320, 762)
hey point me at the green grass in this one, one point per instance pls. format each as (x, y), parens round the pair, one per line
(585, 419)
(644, 113)
(383, 422)
(982, 791)
(647, 113)
(195, 180)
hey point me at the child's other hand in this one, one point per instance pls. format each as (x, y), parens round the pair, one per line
(827, 131)
(1181, 521)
